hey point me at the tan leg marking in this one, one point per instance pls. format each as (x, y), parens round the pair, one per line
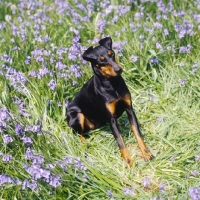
(145, 152)
(89, 124)
(111, 106)
(124, 152)
(127, 99)
(126, 156)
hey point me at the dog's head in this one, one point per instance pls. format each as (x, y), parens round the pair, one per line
(102, 59)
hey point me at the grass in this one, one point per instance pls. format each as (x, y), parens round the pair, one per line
(49, 161)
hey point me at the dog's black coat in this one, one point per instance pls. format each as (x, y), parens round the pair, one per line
(104, 98)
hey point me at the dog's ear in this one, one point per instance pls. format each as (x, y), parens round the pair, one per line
(90, 54)
(106, 42)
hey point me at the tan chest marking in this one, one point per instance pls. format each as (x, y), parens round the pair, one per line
(111, 106)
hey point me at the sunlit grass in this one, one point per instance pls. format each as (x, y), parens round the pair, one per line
(41, 69)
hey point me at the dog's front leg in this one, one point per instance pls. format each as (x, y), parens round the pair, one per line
(135, 128)
(124, 152)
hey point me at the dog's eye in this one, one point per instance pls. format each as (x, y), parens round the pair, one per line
(102, 59)
(111, 53)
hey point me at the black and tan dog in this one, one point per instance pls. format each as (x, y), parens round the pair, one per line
(104, 98)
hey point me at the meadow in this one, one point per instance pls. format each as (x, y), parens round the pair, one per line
(157, 42)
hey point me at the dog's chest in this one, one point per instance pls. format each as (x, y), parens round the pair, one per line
(117, 106)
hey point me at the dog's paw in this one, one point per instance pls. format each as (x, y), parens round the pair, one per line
(127, 158)
(147, 155)
(129, 162)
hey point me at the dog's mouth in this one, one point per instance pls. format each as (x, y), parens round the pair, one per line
(108, 71)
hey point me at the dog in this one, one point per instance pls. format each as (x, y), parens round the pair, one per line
(104, 98)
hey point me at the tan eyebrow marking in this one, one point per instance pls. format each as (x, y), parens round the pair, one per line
(109, 53)
(102, 58)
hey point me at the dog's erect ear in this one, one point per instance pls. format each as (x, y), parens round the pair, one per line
(90, 54)
(106, 42)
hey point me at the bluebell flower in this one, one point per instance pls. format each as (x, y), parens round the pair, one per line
(6, 158)
(154, 60)
(7, 138)
(182, 82)
(129, 191)
(110, 194)
(194, 193)
(52, 84)
(146, 182)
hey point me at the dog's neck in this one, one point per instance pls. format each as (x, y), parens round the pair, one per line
(113, 87)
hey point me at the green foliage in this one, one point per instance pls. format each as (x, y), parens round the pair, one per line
(161, 71)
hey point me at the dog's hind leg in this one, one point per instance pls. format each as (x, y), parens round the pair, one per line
(76, 120)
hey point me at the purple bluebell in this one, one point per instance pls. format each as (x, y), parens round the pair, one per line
(79, 164)
(37, 172)
(122, 10)
(38, 159)
(52, 85)
(74, 52)
(53, 180)
(7, 138)
(162, 188)
(2, 25)
(18, 129)
(197, 158)
(101, 25)
(159, 46)
(129, 191)
(27, 184)
(46, 38)
(182, 82)
(134, 58)
(182, 64)
(172, 159)
(33, 73)
(75, 70)
(194, 172)
(115, 19)
(110, 194)
(4, 118)
(146, 182)
(60, 51)
(16, 48)
(7, 158)
(29, 154)
(166, 32)
(60, 65)
(27, 140)
(185, 49)
(6, 58)
(157, 25)
(154, 60)
(42, 72)
(133, 27)
(194, 68)
(160, 119)
(194, 193)
(118, 46)
(4, 178)
(28, 60)
(33, 128)
(152, 97)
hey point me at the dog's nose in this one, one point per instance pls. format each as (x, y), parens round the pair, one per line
(118, 70)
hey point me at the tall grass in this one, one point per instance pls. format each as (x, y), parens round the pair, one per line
(41, 69)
